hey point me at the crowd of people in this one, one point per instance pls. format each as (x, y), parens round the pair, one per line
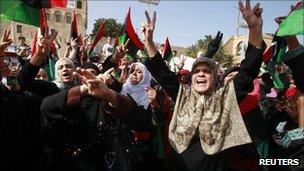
(129, 114)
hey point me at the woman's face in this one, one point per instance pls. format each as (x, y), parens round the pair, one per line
(65, 72)
(42, 75)
(202, 79)
(136, 75)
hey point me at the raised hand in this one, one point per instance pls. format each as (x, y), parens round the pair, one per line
(214, 45)
(148, 27)
(120, 51)
(44, 41)
(252, 16)
(5, 41)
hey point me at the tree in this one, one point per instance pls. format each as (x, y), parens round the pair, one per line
(220, 56)
(112, 27)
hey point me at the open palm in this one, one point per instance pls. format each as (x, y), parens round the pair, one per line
(252, 16)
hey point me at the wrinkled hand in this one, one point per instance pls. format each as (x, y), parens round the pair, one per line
(252, 16)
(5, 41)
(148, 27)
(44, 41)
(214, 45)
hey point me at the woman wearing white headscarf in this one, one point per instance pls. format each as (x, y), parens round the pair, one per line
(138, 87)
(64, 77)
(139, 79)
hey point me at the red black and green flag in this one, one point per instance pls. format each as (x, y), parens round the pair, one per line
(273, 57)
(167, 54)
(128, 33)
(26, 11)
(99, 35)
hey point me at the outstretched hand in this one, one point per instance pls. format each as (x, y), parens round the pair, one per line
(92, 85)
(214, 45)
(5, 41)
(252, 16)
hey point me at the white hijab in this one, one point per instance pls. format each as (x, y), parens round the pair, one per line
(57, 81)
(138, 92)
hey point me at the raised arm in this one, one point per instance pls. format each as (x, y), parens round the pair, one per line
(155, 64)
(30, 70)
(253, 58)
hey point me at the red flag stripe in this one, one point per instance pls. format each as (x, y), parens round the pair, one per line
(99, 35)
(59, 3)
(74, 26)
(267, 55)
(43, 20)
(34, 45)
(131, 33)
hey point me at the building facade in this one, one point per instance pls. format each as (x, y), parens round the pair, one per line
(59, 19)
(237, 45)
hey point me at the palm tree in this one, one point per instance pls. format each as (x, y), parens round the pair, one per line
(202, 45)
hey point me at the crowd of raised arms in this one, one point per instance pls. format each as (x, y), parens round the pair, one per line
(134, 114)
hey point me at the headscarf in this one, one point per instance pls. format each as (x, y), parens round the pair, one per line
(215, 118)
(57, 81)
(138, 92)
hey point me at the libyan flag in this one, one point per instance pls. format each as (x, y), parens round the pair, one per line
(167, 53)
(26, 11)
(274, 56)
(128, 33)
(293, 24)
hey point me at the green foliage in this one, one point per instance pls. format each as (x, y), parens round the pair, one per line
(112, 27)
(202, 45)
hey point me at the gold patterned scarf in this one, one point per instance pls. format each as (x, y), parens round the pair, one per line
(217, 120)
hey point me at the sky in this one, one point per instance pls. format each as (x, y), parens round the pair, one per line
(184, 22)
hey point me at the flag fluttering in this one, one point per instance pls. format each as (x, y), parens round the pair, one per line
(26, 11)
(128, 32)
(167, 53)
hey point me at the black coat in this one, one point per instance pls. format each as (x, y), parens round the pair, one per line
(69, 128)
(20, 136)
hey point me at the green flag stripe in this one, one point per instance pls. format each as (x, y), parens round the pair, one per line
(168, 55)
(18, 11)
(293, 24)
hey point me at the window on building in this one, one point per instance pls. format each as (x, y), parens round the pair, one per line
(79, 4)
(48, 16)
(19, 28)
(68, 19)
(57, 18)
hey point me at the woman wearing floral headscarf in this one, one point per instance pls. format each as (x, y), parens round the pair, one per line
(207, 126)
